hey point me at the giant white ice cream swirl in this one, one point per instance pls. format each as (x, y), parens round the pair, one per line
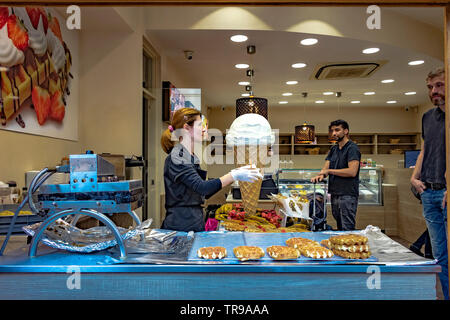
(36, 37)
(250, 129)
(9, 54)
(56, 48)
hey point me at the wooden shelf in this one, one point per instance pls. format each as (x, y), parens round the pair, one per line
(369, 143)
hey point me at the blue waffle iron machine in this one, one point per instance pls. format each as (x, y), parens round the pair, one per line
(93, 190)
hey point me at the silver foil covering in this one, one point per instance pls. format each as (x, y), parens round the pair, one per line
(61, 235)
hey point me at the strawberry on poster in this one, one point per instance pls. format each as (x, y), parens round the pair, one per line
(38, 66)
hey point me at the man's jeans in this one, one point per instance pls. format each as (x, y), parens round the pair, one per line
(344, 211)
(436, 219)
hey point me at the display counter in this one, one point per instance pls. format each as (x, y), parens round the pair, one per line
(395, 273)
(292, 181)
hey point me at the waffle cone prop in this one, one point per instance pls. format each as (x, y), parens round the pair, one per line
(251, 155)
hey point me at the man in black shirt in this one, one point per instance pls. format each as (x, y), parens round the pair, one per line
(342, 167)
(429, 173)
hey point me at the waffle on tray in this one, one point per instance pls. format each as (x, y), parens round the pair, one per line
(283, 253)
(212, 252)
(244, 253)
(299, 242)
(348, 239)
(316, 252)
(352, 255)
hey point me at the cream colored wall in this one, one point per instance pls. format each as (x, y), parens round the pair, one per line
(24, 152)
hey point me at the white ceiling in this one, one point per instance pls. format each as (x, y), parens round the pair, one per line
(212, 67)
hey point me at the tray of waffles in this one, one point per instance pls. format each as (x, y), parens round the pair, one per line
(348, 246)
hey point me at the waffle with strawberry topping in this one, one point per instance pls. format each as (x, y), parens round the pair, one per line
(34, 64)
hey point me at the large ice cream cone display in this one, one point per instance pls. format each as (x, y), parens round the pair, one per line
(34, 64)
(251, 136)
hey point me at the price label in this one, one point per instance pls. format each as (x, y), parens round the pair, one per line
(372, 172)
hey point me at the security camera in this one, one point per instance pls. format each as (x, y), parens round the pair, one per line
(189, 54)
(406, 108)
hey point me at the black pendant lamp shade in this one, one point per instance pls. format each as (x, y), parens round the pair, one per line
(304, 134)
(252, 105)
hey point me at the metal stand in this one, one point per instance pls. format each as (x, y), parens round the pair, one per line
(87, 212)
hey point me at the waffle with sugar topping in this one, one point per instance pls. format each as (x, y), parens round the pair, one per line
(244, 253)
(212, 252)
(300, 242)
(283, 253)
(352, 255)
(316, 252)
(348, 239)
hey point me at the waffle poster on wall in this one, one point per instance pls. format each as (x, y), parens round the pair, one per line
(39, 85)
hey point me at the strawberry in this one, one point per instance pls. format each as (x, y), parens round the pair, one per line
(41, 101)
(35, 15)
(17, 33)
(57, 108)
(4, 13)
(54, 26)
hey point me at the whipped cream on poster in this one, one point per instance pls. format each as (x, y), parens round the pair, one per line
(250, 129)
(57, 50)
(36, 37)
(9, 54)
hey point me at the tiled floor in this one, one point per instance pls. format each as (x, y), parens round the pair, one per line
(20, 242)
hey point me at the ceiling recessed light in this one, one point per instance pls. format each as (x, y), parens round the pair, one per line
(286, 94)
(309, 41)
(328, 93)
(387, 81)
(415, 63)
(245, 94)
(369, 93)
(370, 50)
(291, 82)
(239, 38)
(242, 66)
(282, 102)
(391, 101)
(243, 83)
(410, 93)
(355, 101)
(320, 101)
(299, 65)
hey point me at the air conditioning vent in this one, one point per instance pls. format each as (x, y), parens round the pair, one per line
(351, 70)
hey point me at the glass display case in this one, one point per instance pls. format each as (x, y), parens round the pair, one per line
(298, 181)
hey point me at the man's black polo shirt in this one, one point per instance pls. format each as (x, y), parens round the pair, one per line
(339, 159)
(433, 134)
